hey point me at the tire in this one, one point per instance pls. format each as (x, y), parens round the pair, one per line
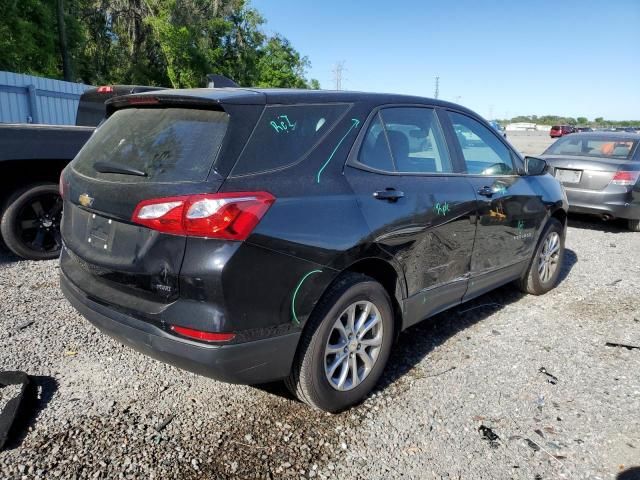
(308, 379)
(534, 281)
(40, 207)
(634, 225)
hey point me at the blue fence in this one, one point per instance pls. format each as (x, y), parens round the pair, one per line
(29, 99)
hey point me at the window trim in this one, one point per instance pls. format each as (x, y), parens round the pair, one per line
(516, 158)
(354, 154)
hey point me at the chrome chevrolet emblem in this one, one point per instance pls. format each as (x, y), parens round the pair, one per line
(85, 200)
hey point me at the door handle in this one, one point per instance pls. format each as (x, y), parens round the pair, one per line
(390, 194)
(486, 191)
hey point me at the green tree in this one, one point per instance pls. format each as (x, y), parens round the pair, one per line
(582, 120)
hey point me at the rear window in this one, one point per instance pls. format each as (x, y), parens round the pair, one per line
(594, 147)
(285, 134)
(168, 145)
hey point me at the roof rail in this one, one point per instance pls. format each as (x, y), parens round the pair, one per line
(219, 81)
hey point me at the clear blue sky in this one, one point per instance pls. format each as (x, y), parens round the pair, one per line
(499, 58)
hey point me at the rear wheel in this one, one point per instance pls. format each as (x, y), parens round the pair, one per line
(30, 223)
(345, 346)
(544, 270)
(634, 225)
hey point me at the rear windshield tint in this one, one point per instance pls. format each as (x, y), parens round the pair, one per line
(621, 149)
(168, 145)
(285, 134)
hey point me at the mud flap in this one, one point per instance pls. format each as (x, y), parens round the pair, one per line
(12, 407)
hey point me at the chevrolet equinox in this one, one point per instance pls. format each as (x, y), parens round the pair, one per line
(258, 235)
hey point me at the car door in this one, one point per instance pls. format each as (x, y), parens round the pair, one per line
(418, 212)
(510, 210)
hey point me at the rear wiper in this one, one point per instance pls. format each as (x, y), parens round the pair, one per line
(112, 167)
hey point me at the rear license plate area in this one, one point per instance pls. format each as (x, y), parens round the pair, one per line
(100, 232)
(568, 176)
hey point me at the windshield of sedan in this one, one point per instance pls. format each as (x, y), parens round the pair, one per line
(607, 147)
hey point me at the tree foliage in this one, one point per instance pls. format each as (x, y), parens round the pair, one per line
(149, 42)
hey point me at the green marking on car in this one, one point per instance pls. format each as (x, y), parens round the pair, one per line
(355, 123)
(295, 293)
(282, 126)
(442, 208)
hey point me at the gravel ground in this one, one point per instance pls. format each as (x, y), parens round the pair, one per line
(463, 396)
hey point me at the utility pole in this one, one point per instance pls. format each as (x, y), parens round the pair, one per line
(338, 72)
(437, 92)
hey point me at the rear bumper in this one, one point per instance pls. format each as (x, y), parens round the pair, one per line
(252, 362)
(603, 202)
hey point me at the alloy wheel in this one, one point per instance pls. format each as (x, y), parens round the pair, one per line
(353, 345)
(549, 257)
(38, 226)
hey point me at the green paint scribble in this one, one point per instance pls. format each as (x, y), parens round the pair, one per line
(280, 126)
(295, 293)
(355, 123)
(441, 208)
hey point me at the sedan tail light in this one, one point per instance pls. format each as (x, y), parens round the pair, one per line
(625, 177)
(230, 216)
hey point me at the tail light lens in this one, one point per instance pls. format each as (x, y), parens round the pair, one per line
(230, 216)
(202, 335)
(625, 178)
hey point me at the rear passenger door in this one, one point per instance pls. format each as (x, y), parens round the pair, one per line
(510, 211)
(418, 212)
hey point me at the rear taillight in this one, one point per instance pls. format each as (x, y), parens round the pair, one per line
(202, 335)
(625, 178)
(230, 216)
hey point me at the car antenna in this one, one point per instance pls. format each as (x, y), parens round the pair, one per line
(220, 81)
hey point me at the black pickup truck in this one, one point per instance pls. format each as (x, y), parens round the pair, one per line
(31, 159)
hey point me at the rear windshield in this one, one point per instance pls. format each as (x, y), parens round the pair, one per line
(606, 147)
(168, 145)
(285, 134)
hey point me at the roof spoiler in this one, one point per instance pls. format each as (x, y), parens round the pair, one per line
(220, 81)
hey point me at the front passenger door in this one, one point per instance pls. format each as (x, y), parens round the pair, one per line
(510, 211)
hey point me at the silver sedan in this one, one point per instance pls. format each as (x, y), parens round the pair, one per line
(600, 172)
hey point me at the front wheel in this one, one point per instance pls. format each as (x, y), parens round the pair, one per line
(30, 223)
(345, 346)
(546, 264)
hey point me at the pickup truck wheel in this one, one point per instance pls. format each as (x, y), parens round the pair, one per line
(345, 346)
(30, 223)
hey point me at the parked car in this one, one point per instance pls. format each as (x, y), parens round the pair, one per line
(258, 235)
(584, 129)
(499, 128)
(561, 130)
(31, 159)
(600, 172)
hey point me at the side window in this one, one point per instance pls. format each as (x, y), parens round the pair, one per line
(416, 140)
(375, 149)
(484, 153)
(407, 140)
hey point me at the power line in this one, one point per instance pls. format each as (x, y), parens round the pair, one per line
(437, 92)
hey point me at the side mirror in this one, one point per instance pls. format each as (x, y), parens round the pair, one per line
(535, 166)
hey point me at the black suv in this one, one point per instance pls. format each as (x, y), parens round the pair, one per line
(258, 235)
